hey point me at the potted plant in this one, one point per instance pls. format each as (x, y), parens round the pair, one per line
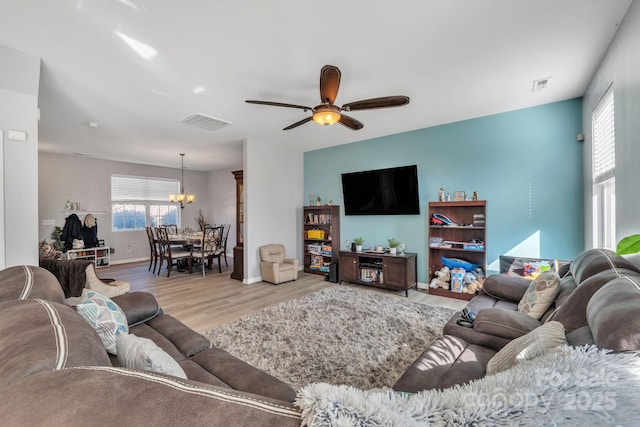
(628, 245)
(393, 244)
(358, 241)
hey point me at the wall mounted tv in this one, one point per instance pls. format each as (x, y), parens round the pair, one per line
(392, 191)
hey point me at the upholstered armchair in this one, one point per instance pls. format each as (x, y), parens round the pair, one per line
(274, 265)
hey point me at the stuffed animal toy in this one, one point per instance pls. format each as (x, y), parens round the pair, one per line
(478, 273)
(442, 278)
(473, 281)
(472, 287)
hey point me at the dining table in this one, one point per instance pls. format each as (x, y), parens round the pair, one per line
(186, 240)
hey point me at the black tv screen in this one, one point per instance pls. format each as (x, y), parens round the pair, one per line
(392, 191)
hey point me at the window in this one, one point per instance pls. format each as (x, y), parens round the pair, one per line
(604, 179)
(138, 201)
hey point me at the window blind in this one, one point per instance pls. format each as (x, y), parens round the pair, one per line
(604, 149)
(126, 188)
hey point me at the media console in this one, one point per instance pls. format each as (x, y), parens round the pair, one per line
(382, 270)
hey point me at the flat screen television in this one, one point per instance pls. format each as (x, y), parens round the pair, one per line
(392, 191)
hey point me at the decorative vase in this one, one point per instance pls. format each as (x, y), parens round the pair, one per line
(358, 248)
(392, 251)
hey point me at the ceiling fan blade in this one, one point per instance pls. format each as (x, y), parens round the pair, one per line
(278, 104)
(301, 122)
(329, 83)
(350, 122)
(384, 102)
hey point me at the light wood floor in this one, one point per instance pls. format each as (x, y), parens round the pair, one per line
(203, 303)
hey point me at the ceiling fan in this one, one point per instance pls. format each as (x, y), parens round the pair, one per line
(327, 113)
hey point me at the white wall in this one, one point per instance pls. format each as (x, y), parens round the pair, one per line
(221, 186)
(621, 66)
(274, 189)
(88, 182)
(19, 80)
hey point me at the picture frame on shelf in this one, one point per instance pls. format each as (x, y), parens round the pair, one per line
(458, 196)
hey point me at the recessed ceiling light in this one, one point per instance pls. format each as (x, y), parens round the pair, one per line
(144, 51)
(93, 124)
(198, 89)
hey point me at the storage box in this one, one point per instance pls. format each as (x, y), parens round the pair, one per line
(315, 234)
(474, 246)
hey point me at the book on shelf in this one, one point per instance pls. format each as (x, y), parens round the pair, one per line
(319, 219)
(316, 262)
(370, 275)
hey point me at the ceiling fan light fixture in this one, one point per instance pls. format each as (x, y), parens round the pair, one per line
(326, 115)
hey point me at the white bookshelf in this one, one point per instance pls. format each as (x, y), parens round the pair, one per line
(100, 256)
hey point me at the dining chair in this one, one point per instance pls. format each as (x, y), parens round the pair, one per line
(225, 236)
(153, 248)
(212, 247)
(172, 255)
(172, 229)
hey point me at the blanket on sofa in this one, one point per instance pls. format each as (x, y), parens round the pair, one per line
(576, 386)
(70, 274)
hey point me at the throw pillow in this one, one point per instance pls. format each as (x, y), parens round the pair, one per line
(143, 354)
(540, 295)
(104, 316)
(544, 339)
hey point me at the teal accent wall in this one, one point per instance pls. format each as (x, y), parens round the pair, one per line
(526, 164)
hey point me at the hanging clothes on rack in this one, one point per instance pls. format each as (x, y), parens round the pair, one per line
(90, 231)
(72, 231)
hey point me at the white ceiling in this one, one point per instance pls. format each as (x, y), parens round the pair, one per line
(455, 59)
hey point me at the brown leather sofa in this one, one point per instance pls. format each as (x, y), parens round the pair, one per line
(54, 369)
(598, 303)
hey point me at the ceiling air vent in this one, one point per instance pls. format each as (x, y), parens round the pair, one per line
(540, 84)
(203, 121)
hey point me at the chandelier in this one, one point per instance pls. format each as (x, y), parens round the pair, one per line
(182, 198)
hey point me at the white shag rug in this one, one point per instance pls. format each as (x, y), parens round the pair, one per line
(338, 335)
(574, 387)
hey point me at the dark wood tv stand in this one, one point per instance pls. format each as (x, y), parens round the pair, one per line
(397, 272)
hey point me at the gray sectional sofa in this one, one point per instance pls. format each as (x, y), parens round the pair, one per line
(598, 303)
(54, 369)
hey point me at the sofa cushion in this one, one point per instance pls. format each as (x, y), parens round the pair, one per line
(572, 313)
(567, 286)
(504, 323)
(95, 396)
(143, 354)
(593, 261)
(544, 339)
(185, 339)
(104, 316)
(28, 281)
(38, 335)
(579, 337)
(446, 362)
(613, 314)
(138, 307)
(505, 287)
(472, 336)
(196, 372)
(239, 375)
(540, 294)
